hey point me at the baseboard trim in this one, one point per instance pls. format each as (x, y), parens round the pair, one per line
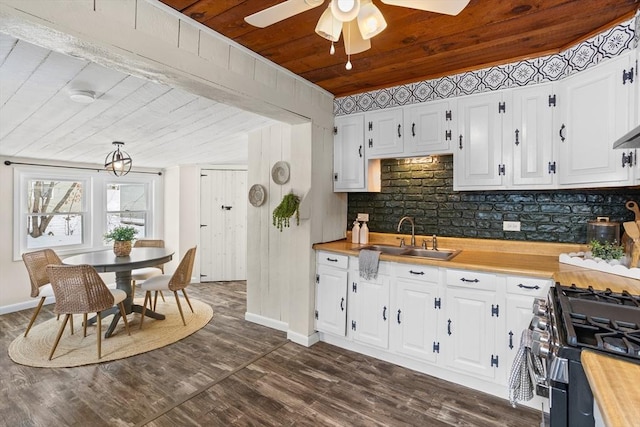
(266, 321)
(303, 340)
(25, 305)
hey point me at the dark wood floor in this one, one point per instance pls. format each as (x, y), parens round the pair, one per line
(233, 372)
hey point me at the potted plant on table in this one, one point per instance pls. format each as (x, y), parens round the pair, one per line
(122, 235)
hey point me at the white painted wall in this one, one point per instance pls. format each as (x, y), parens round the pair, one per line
(281, 265)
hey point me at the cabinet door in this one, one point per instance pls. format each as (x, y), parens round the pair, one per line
(414, 318)
(521, 292)
(478, 148)
(469, 332)
(331, 300)
(595, 108)
(532, 135)
(370, 311)
(349, 172)
(384, 135)
(428, 128)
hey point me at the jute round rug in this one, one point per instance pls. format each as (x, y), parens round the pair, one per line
(77, 350)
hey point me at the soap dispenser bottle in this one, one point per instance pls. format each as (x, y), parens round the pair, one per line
(355, 232)
(364, 234)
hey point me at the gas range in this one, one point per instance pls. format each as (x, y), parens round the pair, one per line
(572, 319)
(602, 320)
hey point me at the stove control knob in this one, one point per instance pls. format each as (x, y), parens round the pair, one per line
(539, 307)
(540, 349)
(538, 322)
(540, 336)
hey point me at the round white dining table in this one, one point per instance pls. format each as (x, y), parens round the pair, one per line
(106, 261)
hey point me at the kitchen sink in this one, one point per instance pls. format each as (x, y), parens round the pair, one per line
(387, 249)
(440, 254)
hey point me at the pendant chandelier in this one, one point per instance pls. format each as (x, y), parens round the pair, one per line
(118, 161)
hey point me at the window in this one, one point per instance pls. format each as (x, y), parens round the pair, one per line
(54, 215)
(70, 210)
(127, 204)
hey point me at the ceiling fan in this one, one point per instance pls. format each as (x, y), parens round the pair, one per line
(357, 20)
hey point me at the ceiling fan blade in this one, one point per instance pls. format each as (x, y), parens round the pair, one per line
(353, 41)
(281, 11)
(447, 7)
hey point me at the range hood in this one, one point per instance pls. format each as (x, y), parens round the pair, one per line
(629, 140)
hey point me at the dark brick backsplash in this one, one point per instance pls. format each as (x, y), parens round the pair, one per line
(423, 188)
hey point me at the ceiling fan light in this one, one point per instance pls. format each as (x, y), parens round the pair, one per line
(353, 41)
(370, 20)
(345, 10)
(328, 26)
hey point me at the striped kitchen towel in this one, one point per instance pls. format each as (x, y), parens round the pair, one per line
(525, 370)
(368, 263)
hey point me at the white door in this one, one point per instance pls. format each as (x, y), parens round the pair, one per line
(478, 149)
(371, 311)
(413, 319)
(384, 132)
(331, 300)
(532, 136)
(594, 109)
(469, 345)
(428, 128)
(348, 153)
(223, 225)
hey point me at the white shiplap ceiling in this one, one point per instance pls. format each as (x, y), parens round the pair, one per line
(160, 126)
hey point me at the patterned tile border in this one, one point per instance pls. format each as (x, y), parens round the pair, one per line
(608, 44)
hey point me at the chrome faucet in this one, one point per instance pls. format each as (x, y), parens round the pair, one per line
(413, 228)
(434, 242)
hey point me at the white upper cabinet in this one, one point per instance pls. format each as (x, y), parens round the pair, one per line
(531, 136)
(596, 108)
(384, 133)
(351, 171)
(478, 155)
(428, 128)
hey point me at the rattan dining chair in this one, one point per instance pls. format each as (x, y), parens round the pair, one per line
(140, 274)
(36, 263)
(79, 289)
(178, 281)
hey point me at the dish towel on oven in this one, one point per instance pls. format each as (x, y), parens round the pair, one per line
(526, 367)
(368, 263)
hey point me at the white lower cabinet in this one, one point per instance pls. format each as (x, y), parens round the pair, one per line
(331, 293)
(369, 308)
(520, 294)
(472, 312)
(459, 325)
(415, 304)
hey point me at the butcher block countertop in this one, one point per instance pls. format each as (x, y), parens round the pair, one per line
(498, 256)
(616, 388)
(615, 383)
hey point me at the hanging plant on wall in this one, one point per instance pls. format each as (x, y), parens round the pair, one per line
(285, 210)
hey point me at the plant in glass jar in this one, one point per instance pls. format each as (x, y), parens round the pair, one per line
(121, 236)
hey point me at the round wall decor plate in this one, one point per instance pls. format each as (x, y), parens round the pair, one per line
(280, 173)
(257, 195)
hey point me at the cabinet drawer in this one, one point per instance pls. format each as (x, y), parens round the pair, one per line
(417, 272)
(532, 286)
(472, 279)
(334, 260)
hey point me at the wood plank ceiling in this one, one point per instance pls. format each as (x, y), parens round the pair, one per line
(416, 45)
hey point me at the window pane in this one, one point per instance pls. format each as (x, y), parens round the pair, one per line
(126, 197)
(136, 220)
(54, 196)
(46, 231)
